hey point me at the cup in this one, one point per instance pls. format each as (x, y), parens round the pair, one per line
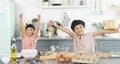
(45, 3)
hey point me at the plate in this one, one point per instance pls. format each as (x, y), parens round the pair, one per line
(115, 55)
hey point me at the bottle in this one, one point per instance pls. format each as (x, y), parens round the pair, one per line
(51, 30)
(13, 52)
(81, 2)
(57, 48)
(70, 2)
(52, 48)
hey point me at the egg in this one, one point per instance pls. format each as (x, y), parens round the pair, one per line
(65, 55)
(58, 55)
(61, 59)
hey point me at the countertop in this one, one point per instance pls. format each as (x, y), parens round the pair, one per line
(70, 38)
(100, 61)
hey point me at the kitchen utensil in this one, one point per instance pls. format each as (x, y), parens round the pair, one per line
(52, 48)
(100, 5)
(95, 5)
(65, 19)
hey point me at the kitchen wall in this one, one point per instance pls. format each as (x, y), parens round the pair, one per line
(30, 9)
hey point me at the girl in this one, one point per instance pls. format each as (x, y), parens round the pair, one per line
(82, 41)
(29, 35)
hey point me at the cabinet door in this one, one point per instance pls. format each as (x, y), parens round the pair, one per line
(109, 45)
(41, 44)
(109, 61)
(66, 44)
(45, 44)
(96, 46)
(19, 45)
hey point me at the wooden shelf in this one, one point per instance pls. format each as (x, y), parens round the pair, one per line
(58, 7)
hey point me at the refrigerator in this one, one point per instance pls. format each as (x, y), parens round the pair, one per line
(7, 25)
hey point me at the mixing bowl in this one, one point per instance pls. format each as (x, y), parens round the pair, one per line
(5, 60)
(29, 53)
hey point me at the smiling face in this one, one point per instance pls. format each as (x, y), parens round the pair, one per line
(29, 31)
(78, 26)
(79, 29)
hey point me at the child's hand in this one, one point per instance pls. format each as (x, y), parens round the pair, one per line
(39, 17)
(118, 28)
(21, 15)
(53, 23)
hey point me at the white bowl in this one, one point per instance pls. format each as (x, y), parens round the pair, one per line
(29, 53)
(5, 60)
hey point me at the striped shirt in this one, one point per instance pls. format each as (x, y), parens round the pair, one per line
(29, 42)
(84, 43)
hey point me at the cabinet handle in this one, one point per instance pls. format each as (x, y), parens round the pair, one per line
(111, 44)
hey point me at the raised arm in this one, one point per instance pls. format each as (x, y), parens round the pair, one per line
(106, 31)
(62, 28)
(37, 26)
(22, 30)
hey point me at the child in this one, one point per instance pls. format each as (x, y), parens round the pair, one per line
(82, 41)
(29, 35)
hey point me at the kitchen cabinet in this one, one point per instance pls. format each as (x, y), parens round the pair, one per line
(19, 45)
(103, 44)
(45, 43)
(109, 61)
(108, 45)
(64, 44)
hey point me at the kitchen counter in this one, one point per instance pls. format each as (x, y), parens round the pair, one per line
(114, 60)
(106, 37)
(103, 44)
(100, 61)
(69, 38)
(50, 38)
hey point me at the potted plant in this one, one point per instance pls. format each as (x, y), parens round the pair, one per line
(45, 2)
(34, 20)
(99, 26)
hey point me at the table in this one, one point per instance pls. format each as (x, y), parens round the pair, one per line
(100, 61)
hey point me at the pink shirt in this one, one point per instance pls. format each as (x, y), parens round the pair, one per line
(85, 43)
(29, 42)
